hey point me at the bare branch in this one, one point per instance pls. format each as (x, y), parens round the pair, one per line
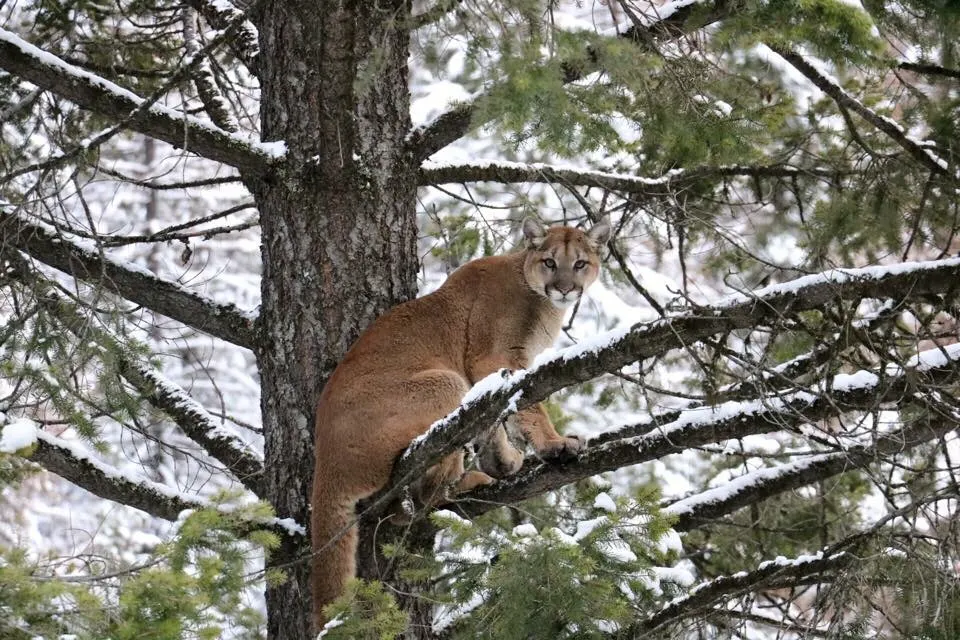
(165, 186)
(669, 183)
(224, 321)
(491, 400)
(97, 94)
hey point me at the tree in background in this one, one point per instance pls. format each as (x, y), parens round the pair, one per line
(794, 421)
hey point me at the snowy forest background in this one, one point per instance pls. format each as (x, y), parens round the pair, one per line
(772, 448)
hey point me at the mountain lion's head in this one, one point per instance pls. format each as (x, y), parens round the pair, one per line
(562, 262)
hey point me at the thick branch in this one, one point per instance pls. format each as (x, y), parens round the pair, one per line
(706, 425)
(702, 598)
(759, 485)
(196, 423)
(896, 133)
(671, 182)
(929, 69)
(72, 462)
(491, 400)
(224, 321)
(108, 99)
(69, 461)
(454, 124)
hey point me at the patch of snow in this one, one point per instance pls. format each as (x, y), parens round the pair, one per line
(525, 530)
(450, 516)
(17, 435)
(333, 624)
(605, 502)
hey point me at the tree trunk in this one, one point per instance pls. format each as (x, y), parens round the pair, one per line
(339, 231)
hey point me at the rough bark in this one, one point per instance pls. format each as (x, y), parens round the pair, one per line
(338, 229)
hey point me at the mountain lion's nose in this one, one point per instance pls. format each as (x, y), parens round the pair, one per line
(564, 288)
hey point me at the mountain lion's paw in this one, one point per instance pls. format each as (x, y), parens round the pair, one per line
(473, 479)
(500, 464)
(562, 448)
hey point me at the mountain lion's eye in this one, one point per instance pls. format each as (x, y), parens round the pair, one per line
(551, 263)
(579, 264)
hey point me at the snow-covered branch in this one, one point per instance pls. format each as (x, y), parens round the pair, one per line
(224, 321)
(449, 127)
(435, 13)
(759, 485)
(236, 456)
(699, 426)
(670, 182)
(106, 98)
(71, 461)
(772, 573)
(890, 127)
(495, 397)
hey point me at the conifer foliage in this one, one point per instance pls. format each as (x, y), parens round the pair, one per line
(203, 203)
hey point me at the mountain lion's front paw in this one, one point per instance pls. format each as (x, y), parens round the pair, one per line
(562, 448)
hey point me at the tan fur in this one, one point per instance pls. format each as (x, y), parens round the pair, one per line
(415, 363)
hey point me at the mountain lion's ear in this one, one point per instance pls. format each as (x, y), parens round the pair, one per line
(599, 234)
(534, 233)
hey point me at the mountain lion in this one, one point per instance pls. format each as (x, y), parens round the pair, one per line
(414, 364)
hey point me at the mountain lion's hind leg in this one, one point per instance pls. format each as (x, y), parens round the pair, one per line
(432, 395)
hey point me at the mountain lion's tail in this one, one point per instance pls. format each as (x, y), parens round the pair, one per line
(334, 545)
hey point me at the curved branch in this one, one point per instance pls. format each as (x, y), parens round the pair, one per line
(224, 321)
(101, 96)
